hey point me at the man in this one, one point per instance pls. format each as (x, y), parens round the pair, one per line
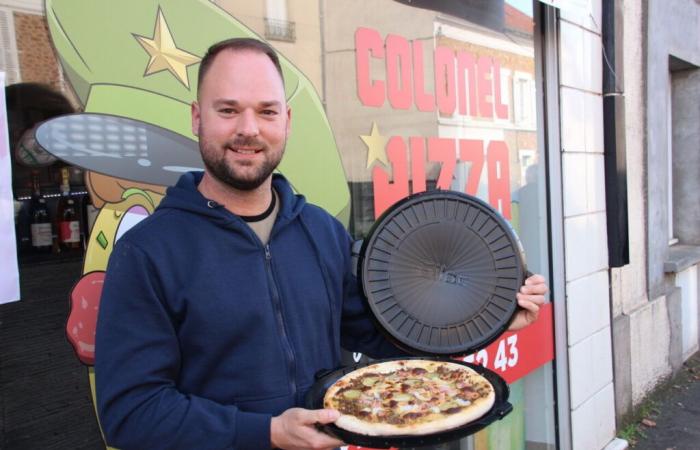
(218, 310)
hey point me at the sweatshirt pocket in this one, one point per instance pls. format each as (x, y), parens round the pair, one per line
(274, 405)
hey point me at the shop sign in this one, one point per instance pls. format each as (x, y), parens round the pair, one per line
(478, 97)
(472, 90)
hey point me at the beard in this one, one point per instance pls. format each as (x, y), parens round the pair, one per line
(214, 159)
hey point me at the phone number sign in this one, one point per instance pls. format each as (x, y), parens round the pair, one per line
(515, 354)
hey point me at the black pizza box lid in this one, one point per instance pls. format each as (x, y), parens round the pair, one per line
(440, 271)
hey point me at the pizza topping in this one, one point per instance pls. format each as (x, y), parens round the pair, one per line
(461, 402)
(471, 395)
(423, 398)
(369, 381)
(401, 397)
(352, 394)
(407, 396)
(407, 408)
(448, 405)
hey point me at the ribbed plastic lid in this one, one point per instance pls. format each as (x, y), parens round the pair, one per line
(440, 270)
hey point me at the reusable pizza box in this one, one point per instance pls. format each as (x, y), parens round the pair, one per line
(440, 271)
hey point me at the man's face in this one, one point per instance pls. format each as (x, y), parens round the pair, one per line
(241, 118)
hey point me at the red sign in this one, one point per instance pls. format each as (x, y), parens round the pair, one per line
(404, 86)
(478, 94)
(516, 354)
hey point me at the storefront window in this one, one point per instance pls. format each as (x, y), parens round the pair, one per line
(37, 92)
(389, 98)
(441, 95)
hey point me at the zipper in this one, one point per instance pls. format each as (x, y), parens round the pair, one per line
(277, 305)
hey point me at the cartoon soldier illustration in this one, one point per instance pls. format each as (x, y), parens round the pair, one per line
(133, 67)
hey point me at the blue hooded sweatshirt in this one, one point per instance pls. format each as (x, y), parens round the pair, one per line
(204, 333)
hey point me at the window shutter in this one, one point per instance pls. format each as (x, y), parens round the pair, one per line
(9, 62)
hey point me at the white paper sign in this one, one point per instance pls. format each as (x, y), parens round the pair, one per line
(9, 273)
(575, 6)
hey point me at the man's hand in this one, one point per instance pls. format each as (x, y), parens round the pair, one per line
(530, 297)
(294, 429)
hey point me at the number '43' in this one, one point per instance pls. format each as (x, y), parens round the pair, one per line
(502, 362)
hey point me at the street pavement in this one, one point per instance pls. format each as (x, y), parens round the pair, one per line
(674, 423)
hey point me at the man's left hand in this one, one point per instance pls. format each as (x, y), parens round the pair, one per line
(530, 298)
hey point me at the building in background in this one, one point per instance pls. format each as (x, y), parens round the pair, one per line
(654, 298)
(579, 123)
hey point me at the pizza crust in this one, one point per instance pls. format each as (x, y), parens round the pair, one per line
(428, 424)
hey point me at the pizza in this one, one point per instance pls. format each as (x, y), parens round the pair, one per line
(409, 397)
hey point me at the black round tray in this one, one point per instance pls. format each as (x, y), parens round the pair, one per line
(440, 271)
(500, 408)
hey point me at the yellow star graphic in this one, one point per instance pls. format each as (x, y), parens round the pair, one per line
(376, 144)
(164, 54)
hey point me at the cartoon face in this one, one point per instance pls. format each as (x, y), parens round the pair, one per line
(153, 82)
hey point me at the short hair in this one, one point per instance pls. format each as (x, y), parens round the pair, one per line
(236, 44)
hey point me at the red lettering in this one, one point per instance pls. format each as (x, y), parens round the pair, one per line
(445, 80)
(386, 192)
(424, 102)
(472, 150)
(499, 177)
(484, 84)
(368, 41)
(475, 89)
(417, 164)
(392, 185)
(465, 62)
(501, 109)
(398, 71)
(442, 149)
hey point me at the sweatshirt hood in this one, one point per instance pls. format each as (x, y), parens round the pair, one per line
(185, 196)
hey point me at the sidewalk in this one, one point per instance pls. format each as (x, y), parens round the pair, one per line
(673, 421)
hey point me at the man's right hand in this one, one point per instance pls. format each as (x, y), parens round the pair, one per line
(294, 429)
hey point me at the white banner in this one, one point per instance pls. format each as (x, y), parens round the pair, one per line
(9, 273)
(582, 7)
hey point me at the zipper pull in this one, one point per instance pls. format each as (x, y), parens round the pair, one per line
(268, 256)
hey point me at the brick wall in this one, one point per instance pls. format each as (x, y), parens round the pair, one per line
(35, 53)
